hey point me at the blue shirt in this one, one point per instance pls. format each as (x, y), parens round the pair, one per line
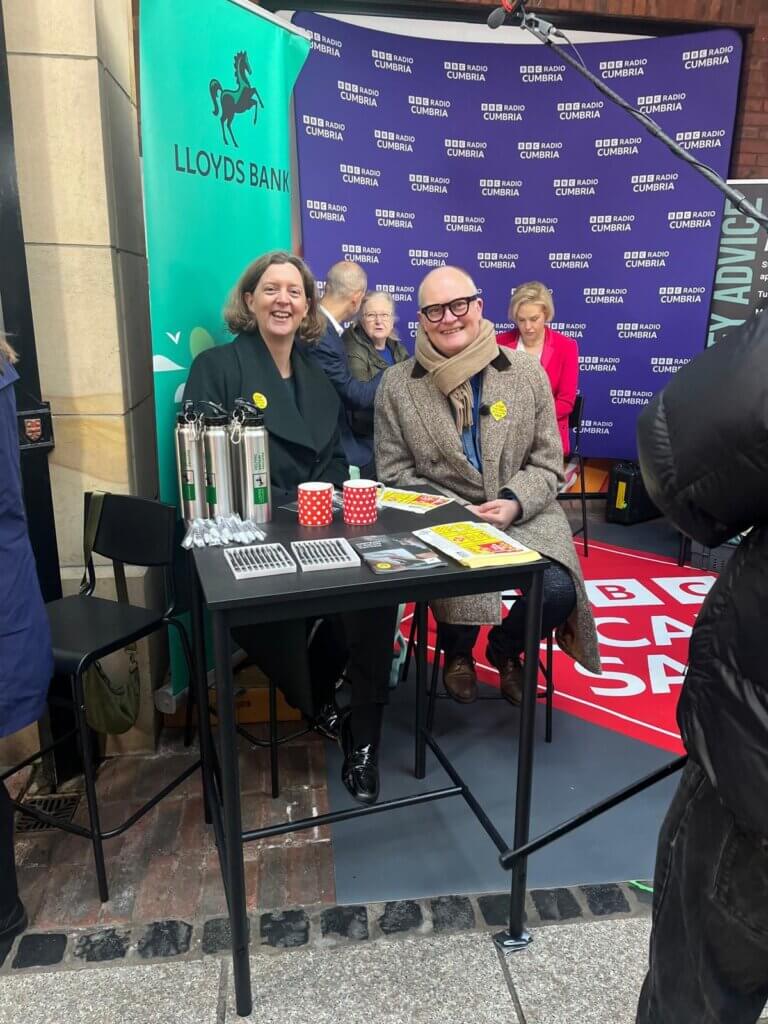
(387, 355)
(470, 438)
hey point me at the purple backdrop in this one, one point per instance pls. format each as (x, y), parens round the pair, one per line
(414, 153)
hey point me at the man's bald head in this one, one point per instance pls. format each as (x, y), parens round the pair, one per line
(444, 277)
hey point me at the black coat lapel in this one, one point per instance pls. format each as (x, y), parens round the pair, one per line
(260, 377)
(313, 426)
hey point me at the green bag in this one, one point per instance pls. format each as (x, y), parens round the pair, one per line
(110, 706)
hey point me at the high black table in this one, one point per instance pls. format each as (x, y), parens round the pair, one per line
(234, 603)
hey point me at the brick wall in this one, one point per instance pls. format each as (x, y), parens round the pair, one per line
(750, 151)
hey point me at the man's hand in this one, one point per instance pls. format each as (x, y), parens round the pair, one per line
(500, 512)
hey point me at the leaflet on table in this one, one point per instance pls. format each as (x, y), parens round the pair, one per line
(411, 501)
(477, 545)
(395, 553)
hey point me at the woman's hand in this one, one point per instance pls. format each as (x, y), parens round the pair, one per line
(500, 512)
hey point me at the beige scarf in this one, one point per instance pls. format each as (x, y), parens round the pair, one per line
(452, 374)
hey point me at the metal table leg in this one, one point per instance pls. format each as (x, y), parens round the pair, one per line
(516, 937)
(199, 685)
(420, 622)
(233, 828)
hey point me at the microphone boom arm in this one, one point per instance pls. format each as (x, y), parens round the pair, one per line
(542, 30)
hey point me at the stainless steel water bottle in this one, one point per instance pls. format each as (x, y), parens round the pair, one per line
(218, 466)
(251, 445)
(190, 463)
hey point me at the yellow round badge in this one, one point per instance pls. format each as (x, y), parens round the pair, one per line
(383, 565)
(259, 400)
(498, 410)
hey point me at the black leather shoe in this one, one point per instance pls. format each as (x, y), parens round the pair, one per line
(328, 722)
(13, 923)
(360, 771)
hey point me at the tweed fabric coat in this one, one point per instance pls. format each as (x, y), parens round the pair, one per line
(417, 444)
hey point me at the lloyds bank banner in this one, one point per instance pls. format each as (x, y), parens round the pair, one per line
(216, 82)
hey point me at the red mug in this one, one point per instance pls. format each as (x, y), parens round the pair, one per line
(315, 501)
(360, 502)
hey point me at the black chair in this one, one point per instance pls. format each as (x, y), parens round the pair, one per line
(84, 628)
(546, 668)
(574, 423)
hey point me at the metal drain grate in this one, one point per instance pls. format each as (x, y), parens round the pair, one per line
(61, 806)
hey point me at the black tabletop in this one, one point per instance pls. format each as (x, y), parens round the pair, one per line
(271, 598)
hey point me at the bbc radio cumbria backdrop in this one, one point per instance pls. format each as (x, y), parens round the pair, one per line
(418, 153)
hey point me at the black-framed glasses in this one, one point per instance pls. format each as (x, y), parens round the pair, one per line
(458, 307)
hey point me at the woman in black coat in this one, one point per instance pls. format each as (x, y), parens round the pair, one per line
(703, 444)
(274, 301)
(26, 662)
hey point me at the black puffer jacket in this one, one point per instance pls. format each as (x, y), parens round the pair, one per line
(703, 444)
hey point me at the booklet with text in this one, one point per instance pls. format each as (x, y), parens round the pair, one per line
(411, 501)
(477, 545)
(395, 553)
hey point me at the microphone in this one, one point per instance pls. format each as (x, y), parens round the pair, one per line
(498, 16)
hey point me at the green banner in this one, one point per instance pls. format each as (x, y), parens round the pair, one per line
(216, 80)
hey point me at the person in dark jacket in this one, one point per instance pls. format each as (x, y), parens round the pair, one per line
(273, 302)
(372, 345)
(26, 660)
(345, 286)
(703, 448)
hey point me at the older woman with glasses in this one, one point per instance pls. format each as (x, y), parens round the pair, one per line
(478, 423)
(372, 345)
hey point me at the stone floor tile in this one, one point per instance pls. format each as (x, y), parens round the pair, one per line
(252, 870)
(495, 908)
(556, 904)
(400, 916)
(107, 944)
(118, 778)
(604, 900)
(344, 922)
(217, 935)
(40, 950)
(452, 913)
(589, 972)
(296, 875)
(171, 993)
(17, 784)
(164, 938)
(453, 979)
(284, 929)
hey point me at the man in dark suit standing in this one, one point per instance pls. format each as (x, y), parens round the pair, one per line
(345, 286)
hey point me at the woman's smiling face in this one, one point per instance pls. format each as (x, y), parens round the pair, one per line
(278, 302)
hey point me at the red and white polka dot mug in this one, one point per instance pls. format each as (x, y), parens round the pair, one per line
(360, 502)
(315, 502)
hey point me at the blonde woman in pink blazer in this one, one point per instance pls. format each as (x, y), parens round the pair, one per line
(531, 308)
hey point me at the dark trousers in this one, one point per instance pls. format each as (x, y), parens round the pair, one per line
(709, 944)
(305, 659)
(8, 891)
(508, 639)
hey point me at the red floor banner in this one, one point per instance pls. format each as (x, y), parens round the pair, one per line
(645, 607)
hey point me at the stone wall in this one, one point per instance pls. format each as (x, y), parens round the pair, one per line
(74, 103)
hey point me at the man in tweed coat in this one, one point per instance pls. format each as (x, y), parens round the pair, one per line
(478, 423)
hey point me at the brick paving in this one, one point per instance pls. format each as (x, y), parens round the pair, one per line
(166, 864)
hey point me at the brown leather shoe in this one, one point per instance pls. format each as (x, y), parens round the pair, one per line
(510, 674)
(459, 678)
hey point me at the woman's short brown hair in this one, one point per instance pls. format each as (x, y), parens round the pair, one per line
(239, 318)
(532, 291)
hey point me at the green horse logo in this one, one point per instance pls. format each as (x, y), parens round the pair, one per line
(228, 102)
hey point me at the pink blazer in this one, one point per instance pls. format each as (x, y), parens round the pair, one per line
(560, 361)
